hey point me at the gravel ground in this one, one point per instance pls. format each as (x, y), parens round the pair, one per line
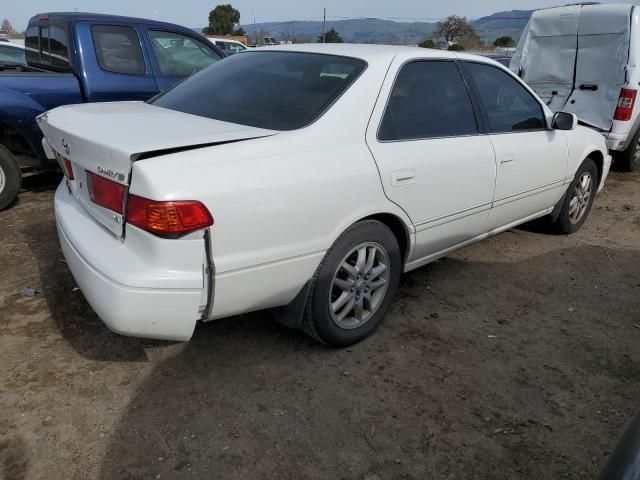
(514, 358)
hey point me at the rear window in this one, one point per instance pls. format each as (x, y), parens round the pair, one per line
(274, 90)
(48, 46)
(118, 49)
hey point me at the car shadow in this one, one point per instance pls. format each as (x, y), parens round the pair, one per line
(70, 312)
(482, 369)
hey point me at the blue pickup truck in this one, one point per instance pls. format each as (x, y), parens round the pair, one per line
(81, 57)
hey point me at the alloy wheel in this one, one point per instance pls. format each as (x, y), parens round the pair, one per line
(581, 198)
(359, 285)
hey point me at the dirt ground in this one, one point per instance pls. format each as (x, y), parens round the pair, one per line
(514, 358)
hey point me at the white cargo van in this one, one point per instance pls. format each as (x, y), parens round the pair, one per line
(585, 59)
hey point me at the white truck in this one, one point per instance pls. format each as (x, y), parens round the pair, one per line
(585, 59)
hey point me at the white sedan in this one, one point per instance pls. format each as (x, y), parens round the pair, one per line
(306, 179)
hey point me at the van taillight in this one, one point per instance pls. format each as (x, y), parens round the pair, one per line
(167, 218)
(105, 192)
(626, 101)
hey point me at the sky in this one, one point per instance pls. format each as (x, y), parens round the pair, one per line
(194, 13)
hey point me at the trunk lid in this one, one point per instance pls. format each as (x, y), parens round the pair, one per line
(106, 138)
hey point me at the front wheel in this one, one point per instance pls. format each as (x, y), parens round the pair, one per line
(577, 202)
(10, 178)
(354, 285)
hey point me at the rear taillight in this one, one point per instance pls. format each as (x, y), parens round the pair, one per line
(626, 101)
(68, 169)
(65, 165)
(105, 192)
(167, 219)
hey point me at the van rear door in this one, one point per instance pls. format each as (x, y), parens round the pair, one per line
(546, 54)
(603, 54)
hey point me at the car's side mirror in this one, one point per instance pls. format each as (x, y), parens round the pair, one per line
(564, 121)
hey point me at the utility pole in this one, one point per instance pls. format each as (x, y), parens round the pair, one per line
(324, 23)
(255, 32)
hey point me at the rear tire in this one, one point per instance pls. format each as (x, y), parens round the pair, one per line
(629, 159)
(354, 285)
(10, 178)
(577, 201)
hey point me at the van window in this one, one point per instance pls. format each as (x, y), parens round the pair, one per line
(118, 49)
(509, 106)
(429, 99)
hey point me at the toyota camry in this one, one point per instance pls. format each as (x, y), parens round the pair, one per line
(305, 179)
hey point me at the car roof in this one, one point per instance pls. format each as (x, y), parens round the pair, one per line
(371, 53)
(9, 44)
(102, 17)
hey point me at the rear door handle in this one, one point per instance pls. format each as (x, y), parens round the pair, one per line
(403, 177)
(589, 86)
(507, 159)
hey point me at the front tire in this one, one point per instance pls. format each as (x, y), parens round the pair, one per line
(354, 285)
(577, 201)
(10, 178)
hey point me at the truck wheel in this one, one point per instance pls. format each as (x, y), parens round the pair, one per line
(629, 159)
(354, 285)
(10, 178)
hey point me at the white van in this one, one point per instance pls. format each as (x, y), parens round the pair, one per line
(585, 59)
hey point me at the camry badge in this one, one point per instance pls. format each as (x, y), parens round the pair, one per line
(66, 147)
(111, 173)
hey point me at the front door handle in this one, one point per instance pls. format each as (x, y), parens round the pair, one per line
(403, 177)
(507, 159)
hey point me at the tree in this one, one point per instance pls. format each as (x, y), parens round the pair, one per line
(427, 43)
(7, 27)
(456, 47)
(223, 20)
(470, 41)
(504, 42)
(331, 37)
(453, 29)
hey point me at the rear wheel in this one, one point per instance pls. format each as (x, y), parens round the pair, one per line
(629, 159)
(577, 202)
(354, 285)
(10, 178)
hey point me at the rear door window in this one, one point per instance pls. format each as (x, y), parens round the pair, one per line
(180, 55)
(118, 49)
(508, 105)
(429, 99)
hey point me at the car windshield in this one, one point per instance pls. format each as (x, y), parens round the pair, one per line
(274, 90)
(11, 55)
